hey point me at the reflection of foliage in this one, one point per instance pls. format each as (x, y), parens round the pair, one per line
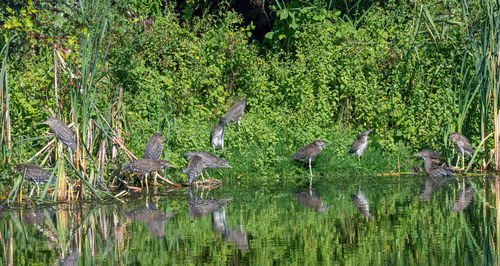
(279, 229)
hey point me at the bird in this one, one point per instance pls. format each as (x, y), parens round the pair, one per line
(154, 218)
(210, 161)
(145, 166)
(359, 145)
(154, 147)
(361, 202)
(431, 168)
(35, 174)
(310, 152)
(235, 113)
(194, 168)
(462, 145)
(62, 132)
(310, 200)
(217, 135)
(434, 156)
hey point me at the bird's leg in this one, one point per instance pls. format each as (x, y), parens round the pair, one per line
(239, 121)
(458, 160)
(146, 179)
(310, 184)
(463, 160)
(206, 172)
(310, 169)
(38, 190)
(202, 177)
(214, 148)
(31, 193)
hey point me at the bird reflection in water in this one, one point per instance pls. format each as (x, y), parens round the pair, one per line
(36, 216)
(463, 199)
(361, 202)
(201, 207)
(310, 200)
(154, 218)
(431, 184)
(71, 259)
(236, 235)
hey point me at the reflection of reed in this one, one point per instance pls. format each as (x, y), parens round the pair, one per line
(71, 259)
(361, 202)
(463, 199)
(311, 200)
(153, 218)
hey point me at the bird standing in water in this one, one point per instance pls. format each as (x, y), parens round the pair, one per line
(235, 113)
(62, 132)
(432, 169)
(359, 145)
(145, 166)
(35, 174)
(462, 145)
(154, 147)
(217, 135)
(310, 152)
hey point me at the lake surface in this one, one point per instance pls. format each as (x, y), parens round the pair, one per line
(341, 220)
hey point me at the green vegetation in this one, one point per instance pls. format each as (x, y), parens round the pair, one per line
(123, 70)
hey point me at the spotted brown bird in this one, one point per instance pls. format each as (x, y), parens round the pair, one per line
(145, 166)
(35, 174)
(62, 132)
(235, 113)
(210, 161)
(359, 145)
(310, 152)
(154, 147)
(194, 168)
(217, 135)
(432, 169)
(462, 145)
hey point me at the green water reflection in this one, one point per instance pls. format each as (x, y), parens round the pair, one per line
(341, 220)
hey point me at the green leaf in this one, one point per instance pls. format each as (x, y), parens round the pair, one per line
(269, 35)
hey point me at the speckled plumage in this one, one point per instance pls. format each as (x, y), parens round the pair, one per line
(194, 168)
(210, 161)
(432, 169)
(144, 166)
(217, 135)
(462, 144)
(35, 173)
(154, 147)
(310, 152)
(235, 112)
(359, 145)
(361, 202)
(62, 132)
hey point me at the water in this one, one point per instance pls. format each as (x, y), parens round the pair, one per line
(341, 220)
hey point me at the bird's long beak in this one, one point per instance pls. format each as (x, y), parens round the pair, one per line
(417, 154)
(46, 122)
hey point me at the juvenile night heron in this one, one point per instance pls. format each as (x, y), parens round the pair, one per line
(359, 145)
(462, 145)
(194, 168)
(310, 152)
(145, 166)
(217, 135)
(434, 156)
(35, 174)
(62, 132)
(210, 161)
(235, 113)
(361, 202)
(154, 147)
(432, 169)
